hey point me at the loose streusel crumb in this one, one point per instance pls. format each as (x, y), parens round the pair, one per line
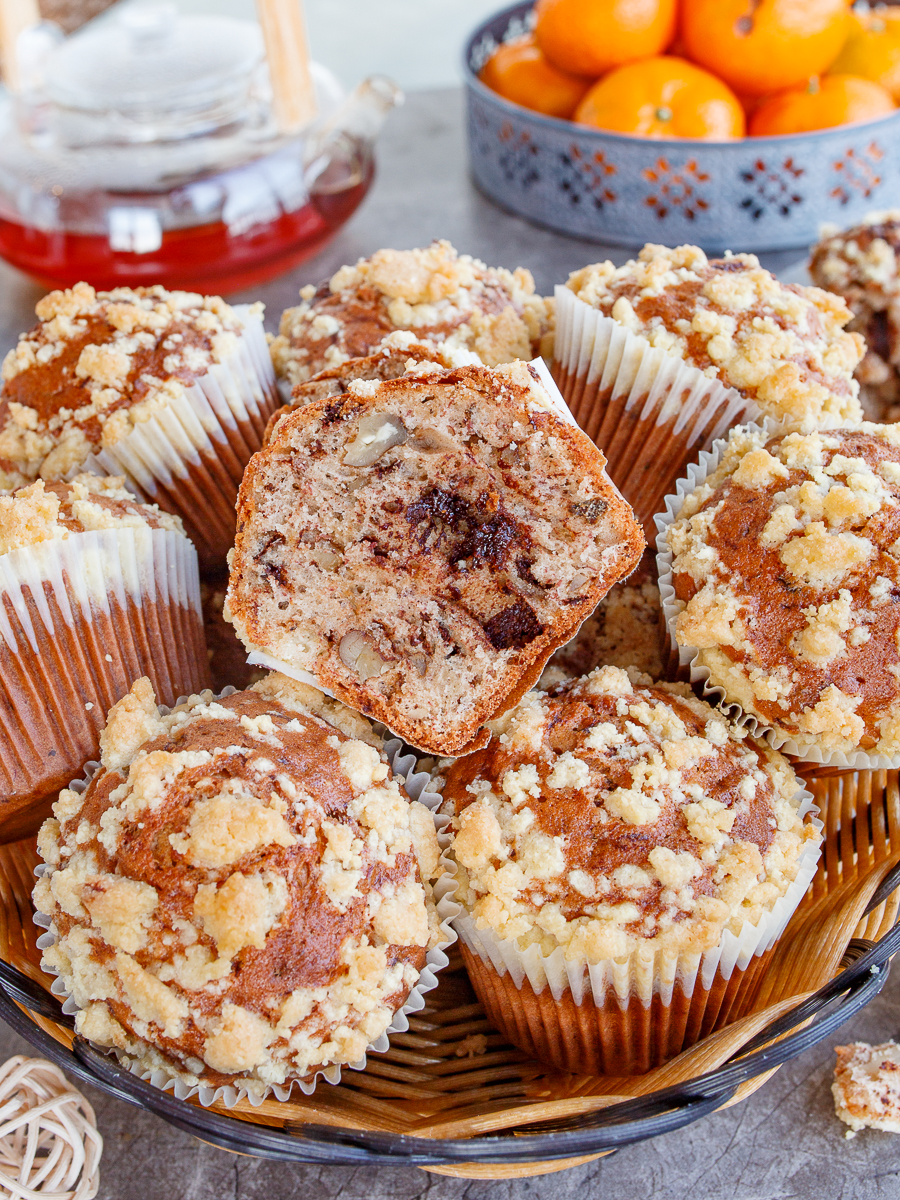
(243, 892)
(97, 364)
(787, 574)
(866, 1086)
(442, 297)
(613, 812)
(624, 630)
(860, 265)
(783, 346)
(45, 512)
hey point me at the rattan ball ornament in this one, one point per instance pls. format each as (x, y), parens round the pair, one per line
(49, 1145)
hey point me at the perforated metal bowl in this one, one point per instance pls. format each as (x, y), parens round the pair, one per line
(755, 194)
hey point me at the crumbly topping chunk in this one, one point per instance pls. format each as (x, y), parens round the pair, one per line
(610, 813)
(866, 1086)
(243, 890)
(445, 298)
(782, 345)
(786, 566)
(96, 364)
(47, 512)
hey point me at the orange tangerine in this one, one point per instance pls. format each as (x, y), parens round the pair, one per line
(519, 71)
(589, 37)
(823, 103)
(873, 49)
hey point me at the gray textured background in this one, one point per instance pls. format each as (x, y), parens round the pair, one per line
(784, 1142)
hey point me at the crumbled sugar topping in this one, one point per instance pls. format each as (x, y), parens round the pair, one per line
(98, 363)
(243, 890)
(783, 346)
(786, 566)
(449, 299)
(44, 513)
(866, 1086)
(611, 813)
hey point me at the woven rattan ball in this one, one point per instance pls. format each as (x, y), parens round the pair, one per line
(49, 1145)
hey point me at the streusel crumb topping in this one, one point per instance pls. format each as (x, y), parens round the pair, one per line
(243, 890)
(782, 345)
(442, 297)
(613, 815)
(46, 512)
(97, 364)
(787, 572)
(866, 1086)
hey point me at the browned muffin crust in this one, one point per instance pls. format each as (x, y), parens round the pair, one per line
(787, 569)
(95, 361)
(422, 545)
(238, 894)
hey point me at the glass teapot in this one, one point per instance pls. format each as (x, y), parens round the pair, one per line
(144, 149)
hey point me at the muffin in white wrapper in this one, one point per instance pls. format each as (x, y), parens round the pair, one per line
(326, 755)
(170, 389)
(96, 590)
(781, 604)
(626, 861)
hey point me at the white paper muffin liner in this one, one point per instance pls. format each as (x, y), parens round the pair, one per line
(418, 785)
(641, 974)
(189, 457)
(688, 655)
(649, 411)
(81, 618)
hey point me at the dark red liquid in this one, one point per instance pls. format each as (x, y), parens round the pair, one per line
(203, 258)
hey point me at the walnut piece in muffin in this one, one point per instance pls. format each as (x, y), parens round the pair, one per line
(866, 1086)
(860, 265)
(613, 815)
(787, 574)
(422, 545)
(243, 892)
(624, 630)
(48, 512)
(781, 345)
(97, 364)
(441, 296)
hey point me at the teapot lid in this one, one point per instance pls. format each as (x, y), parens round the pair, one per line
(149, 64)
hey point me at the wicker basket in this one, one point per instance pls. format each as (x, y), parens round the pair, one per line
(451, 1096)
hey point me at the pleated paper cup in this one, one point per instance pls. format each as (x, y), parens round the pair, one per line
(684, 660)
(189, 457)
(81, 619)
(419, 786)
(626, 1016)
(648, 411)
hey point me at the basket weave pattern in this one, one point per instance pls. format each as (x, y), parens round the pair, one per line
(453, 1075)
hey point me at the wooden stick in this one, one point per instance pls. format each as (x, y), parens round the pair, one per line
(15, 16)
(284, 31)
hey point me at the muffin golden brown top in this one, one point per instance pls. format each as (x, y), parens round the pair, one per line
(243, 890)
(781, 345)
(96, 363)
(787, 573)
(49, 512)
(613, 815)
(439, 295)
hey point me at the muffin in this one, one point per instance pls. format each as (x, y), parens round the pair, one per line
(230, 922)
(170, 389)
(96, 590)
(441, 296)
(625, 859)
(659, 357)
(860, 265)
(781, 577)
(624, 630)
(421, 546)
(866, 1086)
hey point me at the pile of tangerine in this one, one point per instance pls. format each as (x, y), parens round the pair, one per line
(711, 69)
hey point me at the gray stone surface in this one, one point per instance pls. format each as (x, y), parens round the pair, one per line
(782, 1143)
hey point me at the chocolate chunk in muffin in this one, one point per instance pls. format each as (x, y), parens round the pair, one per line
(422, 545)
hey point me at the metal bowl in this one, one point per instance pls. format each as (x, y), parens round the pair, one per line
(755, 194)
